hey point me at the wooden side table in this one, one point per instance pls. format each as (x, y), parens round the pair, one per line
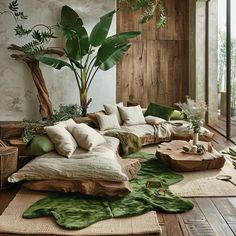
(172, 154)
(8, 163)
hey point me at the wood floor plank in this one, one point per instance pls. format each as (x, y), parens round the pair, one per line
(226, 208)
(193, 216)
(183, 226)
(214, 218)
(6, 196)
(172, 225)
(194, 222)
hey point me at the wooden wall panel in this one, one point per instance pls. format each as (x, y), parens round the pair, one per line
(156, 66)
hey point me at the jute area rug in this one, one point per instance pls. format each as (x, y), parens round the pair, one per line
(12, 222)
(203, 183)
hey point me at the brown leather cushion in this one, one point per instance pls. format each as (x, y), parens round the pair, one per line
(101, 188)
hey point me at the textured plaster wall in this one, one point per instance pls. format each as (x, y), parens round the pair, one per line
(17, 91)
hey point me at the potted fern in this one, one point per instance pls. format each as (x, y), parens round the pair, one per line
(86, 54)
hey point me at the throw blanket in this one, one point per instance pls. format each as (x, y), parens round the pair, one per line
(150, 192)
(129, 142)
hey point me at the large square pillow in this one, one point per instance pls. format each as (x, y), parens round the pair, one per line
(64, 142)
(86, 137)
(132, 115)
(112, 109)
(157, 110)
(107, 122)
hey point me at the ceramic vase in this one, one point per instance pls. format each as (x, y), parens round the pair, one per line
(195, 138)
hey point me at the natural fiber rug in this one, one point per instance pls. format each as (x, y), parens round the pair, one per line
(12, 222)
(204, 183)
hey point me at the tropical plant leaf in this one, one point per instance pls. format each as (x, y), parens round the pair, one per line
(107, 57)
(79, 46)
(121, 37)
(76, 63)
(100, 30)
(70, 22)
(54, 62)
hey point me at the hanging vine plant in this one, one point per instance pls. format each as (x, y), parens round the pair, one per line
(150, 7)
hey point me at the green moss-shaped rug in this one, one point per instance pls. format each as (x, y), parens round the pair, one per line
(150, 192)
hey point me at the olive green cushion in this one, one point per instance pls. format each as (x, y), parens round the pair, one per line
(39, 145)
(177, 115)
(157, 110)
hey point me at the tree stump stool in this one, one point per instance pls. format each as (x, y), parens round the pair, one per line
(173, 155)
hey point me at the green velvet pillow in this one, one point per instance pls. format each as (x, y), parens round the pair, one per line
(159, 111)
(39, 145)
(177, 115)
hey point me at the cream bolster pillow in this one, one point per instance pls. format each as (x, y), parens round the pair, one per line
(86, 137)
(153, 120)
(112, 109)
(64, 142)
(89, 166)
(107, 121)
(132, 115)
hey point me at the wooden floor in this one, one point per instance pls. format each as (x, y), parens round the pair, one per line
(210, 216)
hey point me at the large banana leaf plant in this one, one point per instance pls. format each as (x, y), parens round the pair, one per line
(86, 54)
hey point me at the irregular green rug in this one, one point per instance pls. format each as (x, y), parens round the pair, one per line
(150, 192)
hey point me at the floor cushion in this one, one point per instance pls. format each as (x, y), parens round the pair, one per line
(98, 164)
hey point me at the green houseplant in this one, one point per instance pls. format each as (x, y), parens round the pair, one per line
(87, 54)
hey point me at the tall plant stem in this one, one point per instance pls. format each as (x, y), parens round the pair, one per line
(94, 73)
(74, 70)
(89, 71)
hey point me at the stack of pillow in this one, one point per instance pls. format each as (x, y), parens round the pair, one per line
(116, 115)
(67, 136)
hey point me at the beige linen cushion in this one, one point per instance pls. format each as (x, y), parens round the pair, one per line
(86, 137)
(153, 120)
(99, 164)
(112, 109)
(132, 115)
(64, 142)
(66, 123)
(107, 121)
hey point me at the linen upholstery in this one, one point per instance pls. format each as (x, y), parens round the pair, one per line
(152, 120)
(108, 121)
(64, 142)
(112, 109)
(132, 115)
(85, 136)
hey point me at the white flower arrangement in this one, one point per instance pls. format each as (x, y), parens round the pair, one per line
(195, 112)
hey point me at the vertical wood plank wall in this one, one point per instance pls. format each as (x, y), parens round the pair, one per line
(156, 66)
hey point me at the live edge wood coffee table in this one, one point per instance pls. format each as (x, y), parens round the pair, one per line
(172, 154)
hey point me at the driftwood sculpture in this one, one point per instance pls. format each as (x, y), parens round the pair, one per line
(45, 105)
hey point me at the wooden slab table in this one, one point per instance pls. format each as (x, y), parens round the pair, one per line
(172, 154)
